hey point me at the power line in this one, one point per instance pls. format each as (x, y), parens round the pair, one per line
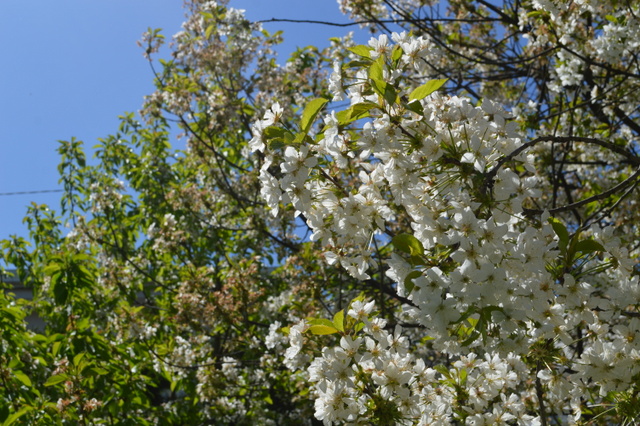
(30, 192)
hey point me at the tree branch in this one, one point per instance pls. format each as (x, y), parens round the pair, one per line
(371, 21)
(597, 197)
(633, 159)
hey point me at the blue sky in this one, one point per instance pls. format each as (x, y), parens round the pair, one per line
(71, 67)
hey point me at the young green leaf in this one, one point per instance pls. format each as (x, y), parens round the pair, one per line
(396, 54)
(426, 89)
(23, 378)
(355, 112)
(561, 232)
(589, 246)
(55, 348)
(78, 358)
(322, 329)
(409, 244)
(99, 371)
(375, 70)
(12, 418)
(361, 50)
(338, 320)
(310, 113)
(408, 281)
(54, 380)
(274, 132)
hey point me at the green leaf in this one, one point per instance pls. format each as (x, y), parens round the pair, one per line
(356, 64)
(375, 70)
(355, 112)
(561, 232)
(51, 269)
(396, 54)
(311, 110)
(338, 320)
(60, 290)
(465, 315)
(99, 371)
(473, 336)
(208, 31)
(416, 260)
(463, 376)
(274, 132)
(23, 378)
(321, 321)
(415, 107)
(442, 370)
(4, 411)
(322, 329)
(361, 50)
(55, 348)
(12, 418)
(278, 137)
(299, 138)
(589, 246)
(536, 13)
(426, 89)
(409, 244)
(408, 281)
(386, 90)
(78, 358)
(54, 380)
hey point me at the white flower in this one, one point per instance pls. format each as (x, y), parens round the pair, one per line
(360, 311)
(380, 46)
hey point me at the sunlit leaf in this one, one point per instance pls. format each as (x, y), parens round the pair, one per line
(54, 380)
(426, 89)
(322, 329)
(338, 320)
(22, 377)
(311, 110)
(361, 50)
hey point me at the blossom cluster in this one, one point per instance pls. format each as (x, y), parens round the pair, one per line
(483, 273)
(372, 377)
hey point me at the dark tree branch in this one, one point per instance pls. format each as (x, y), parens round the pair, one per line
(561, 139)
(630, 180)
(372, 21)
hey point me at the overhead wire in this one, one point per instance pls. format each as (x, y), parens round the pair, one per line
(42, 191)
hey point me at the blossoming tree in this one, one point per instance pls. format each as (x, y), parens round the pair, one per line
(438, 227)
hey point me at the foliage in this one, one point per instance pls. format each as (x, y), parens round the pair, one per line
(438, 227)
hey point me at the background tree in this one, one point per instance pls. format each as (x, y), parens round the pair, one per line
(180, 294)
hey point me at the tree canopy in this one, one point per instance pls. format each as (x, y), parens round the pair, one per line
(439, 227)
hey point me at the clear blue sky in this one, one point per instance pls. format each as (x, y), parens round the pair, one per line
(71, 67)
